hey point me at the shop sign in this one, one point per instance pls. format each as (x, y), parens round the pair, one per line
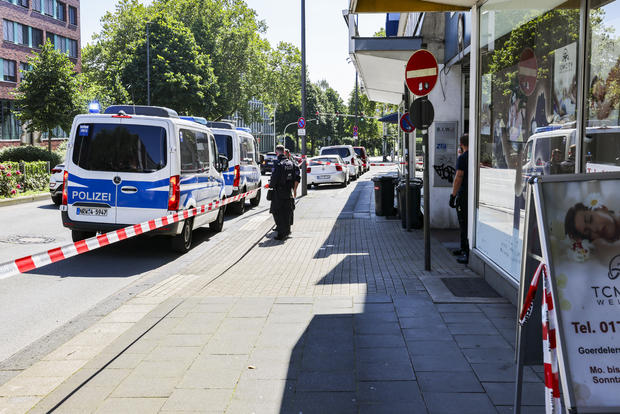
(581, 247)
(528, 71)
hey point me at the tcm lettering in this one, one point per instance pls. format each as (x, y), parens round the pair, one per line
(91, 196)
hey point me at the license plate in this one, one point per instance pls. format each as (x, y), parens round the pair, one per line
(324, 177)
(91, 211)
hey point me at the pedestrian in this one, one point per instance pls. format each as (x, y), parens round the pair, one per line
(458, 198)
(282, 183)
(291, 158)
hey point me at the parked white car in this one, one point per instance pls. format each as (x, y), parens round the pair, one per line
(56, 186)
(329, 169)
(347, 153)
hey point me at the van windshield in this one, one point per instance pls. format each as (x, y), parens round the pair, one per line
(120, 148)
(224, 145)
(343, 152)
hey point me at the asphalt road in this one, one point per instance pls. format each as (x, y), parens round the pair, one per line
(45, 307)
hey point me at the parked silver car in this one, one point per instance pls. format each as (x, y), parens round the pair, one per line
(56, 179)
(327, 169)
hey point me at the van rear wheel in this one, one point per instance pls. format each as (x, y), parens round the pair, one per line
(239, 207)
(256, 200)
(77, 235)
(217, 225)
(181, 243)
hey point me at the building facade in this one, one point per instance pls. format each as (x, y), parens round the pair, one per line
(25, 26)
(539, 95)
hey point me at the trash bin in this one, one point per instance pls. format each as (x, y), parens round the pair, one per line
(415, 198)
(384, 195)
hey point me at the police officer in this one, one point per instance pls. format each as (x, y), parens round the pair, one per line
(282, 182)
(288, 155)
(458, 198)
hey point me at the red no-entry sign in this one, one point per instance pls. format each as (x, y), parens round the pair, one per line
(421, 72)
(528, 71)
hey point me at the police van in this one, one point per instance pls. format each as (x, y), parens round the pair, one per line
(243, 173)
(137, 163)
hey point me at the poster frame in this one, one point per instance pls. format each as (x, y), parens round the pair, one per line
(563, 364)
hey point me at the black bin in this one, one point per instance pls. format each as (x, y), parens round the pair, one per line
(415, 198)
(384, 195)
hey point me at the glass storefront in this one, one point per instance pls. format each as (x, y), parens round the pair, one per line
(529, 108)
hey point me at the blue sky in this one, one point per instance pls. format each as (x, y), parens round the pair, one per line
(326, 33)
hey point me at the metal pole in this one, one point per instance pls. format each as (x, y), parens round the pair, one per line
(408, 171)
(304, 177)
(427, 202)
(148, 67)
(275, 136)
(356, 100)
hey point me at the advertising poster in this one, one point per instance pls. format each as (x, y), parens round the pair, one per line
(565, 82)
(582, 223)
(445, 153)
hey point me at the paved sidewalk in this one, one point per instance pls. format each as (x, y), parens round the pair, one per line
(336, 319)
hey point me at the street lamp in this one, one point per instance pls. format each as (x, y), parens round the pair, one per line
(148, 66)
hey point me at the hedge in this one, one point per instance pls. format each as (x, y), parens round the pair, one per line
(29, 153)
(16, 178)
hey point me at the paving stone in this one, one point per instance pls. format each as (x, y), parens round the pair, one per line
(445, 362)
(376, 327)
(379, 341)
(433, 348)
(131, 405)
(502, 372)
(525, 409)
(254, 407)
(462, 403)
(457, 381)
(480, 355)
(439, 333)
(389, 392)
(477, 328)
(136, 387)
(426, 322)
(326, 381)
(481, 341)
(85, 400)
(161, 369)
(391, 408)
(502, 393)
(263, 390)
(197, 400)
(334, 360)
(458, 307)
(467, 317)
(376, 316)
(385, 371)
(393, 355)
(320, 403)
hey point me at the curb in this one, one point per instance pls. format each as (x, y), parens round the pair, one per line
(24, 199)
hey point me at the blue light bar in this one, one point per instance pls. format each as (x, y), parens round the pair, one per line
(94, 107)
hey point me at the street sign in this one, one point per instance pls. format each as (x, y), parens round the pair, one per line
(422, 113)
(528, 71)
(421, 72)
(301, 123)
(354, 128)
(405, 123)
(301, 131)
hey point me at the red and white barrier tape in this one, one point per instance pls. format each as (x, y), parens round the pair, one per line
(28, 263)
(549, 323)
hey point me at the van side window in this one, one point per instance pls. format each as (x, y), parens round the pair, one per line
(214, 152)
(202, 144)
(189, 151)
(247, 155)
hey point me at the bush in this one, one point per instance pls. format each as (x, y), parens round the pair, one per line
(35, 176)
(9, 177)
(29, 153)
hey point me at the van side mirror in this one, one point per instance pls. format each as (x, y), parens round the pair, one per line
(223, 163)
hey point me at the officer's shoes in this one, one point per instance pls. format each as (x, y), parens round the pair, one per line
(281, 236)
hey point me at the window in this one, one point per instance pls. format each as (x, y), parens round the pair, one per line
(24, 67)
(224, 145)
(23, 3)
(37, 5)
(189, 151)
(7, 29)
(72, 15)
(125, 148)
(52, 39)
(37, 38)
(202, 144)
(22, 34)
(61, 9)
(10, 127)
(49, 7)
(528, 67)
(73, 49)
(10, 71)
(247, 151)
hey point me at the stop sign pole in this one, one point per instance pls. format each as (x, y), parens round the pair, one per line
(421, 75)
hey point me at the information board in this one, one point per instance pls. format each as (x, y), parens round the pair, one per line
(444, 161)
(580, 219)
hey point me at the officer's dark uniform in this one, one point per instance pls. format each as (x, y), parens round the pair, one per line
(282, 181)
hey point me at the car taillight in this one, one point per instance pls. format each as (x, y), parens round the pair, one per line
(174, 193)
(56, 170)
(338, 167)
(237, 176)
(308, 170)
(65, 178)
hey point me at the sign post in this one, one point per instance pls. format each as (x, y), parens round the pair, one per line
(421, 75)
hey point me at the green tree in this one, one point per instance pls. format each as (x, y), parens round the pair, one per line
(48, 95)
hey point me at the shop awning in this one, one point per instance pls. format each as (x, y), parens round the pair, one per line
(404, 6)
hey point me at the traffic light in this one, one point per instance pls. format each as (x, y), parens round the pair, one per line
(362, 117)
(337, 116)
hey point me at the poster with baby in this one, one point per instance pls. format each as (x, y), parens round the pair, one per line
(581, 247)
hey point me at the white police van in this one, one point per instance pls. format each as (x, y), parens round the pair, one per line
(137, 163)
(243, 173)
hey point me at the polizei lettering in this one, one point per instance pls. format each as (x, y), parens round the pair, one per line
(91, 196)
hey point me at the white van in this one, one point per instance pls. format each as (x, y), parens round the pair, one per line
(348, 155)
(137, 163)
(243, 173)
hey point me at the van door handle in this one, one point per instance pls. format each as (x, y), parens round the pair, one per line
(129, 189)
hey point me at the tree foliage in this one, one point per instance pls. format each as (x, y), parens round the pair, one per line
(48, 94)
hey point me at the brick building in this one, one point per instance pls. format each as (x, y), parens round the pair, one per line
(25, 25)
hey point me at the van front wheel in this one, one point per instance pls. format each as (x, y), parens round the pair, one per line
(181, 243)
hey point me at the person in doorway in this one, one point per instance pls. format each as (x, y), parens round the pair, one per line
(458, 198)
(282, 182)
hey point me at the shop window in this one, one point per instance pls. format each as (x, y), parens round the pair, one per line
(7, 29)
(528, 111)
(72, 15)
(601, 147)
(10, 70)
